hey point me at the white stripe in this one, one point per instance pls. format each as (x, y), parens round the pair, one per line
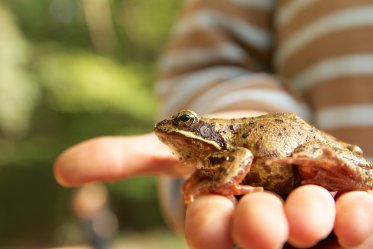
(369, 158)
(177, 101)
(199, 56)
(344, 116)
(193, 84)
(245, 31)
(331, 23)
(280, 101)
(220, 96)
(357, 64)
(287, 12)
(258, 4)
(185, 92)
(188, 84)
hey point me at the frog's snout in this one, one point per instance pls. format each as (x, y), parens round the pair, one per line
(160, 125)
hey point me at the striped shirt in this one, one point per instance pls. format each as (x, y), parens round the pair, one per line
(311, 57)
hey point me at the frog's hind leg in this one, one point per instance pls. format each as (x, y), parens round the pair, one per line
(333, 168)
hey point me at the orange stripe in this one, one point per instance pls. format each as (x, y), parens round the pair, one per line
(355, 40)
(198, 37)
(283, 3)
(249, 64)
(361, 136)
(342, 91)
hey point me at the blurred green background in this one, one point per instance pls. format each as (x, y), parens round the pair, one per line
(72, 70)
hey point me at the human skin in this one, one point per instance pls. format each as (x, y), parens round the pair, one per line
(259, 220)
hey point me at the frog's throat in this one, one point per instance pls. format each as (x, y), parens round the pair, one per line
(193, 136)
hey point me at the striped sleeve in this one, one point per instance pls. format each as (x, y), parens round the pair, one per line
(219, 58)
(324, 49)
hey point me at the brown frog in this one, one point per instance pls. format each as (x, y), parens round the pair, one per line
(276, 152)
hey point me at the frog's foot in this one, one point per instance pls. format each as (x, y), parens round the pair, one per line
(327, 168)
(206, 186)
(231, 167)
(195, 186)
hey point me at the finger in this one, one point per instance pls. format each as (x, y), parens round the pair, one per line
(208, 223)
(310, 211)
(112, 158)
(369, 242)
(354, 220)
(251, 221)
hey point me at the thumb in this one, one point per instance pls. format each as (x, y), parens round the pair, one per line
(114, 158)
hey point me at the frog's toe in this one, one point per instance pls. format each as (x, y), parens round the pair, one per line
(191, 193)
(245, 189)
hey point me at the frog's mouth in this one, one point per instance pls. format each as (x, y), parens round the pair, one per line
(183, 140)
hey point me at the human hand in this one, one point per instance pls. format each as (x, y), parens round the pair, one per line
(258, 220)
(263, 220)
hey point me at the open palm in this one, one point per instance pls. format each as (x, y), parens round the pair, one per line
(258, 220)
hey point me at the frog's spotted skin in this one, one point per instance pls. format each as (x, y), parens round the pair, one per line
(277, 152)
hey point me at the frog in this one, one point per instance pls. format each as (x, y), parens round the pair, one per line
(275, 152)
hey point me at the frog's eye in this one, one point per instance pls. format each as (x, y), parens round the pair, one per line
(186, 118)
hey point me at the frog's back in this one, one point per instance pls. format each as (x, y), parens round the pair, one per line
(277, 134)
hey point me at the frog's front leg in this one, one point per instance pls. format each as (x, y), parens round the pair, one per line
(334, 168)
(227, 169)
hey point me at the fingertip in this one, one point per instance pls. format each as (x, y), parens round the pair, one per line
(59, 174)
(251, 221)
(62, 169)
(310, 210)
(354, 220)
(97, 159)
(208, 222)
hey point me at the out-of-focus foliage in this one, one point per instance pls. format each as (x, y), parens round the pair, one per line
(18, 93)
(84, 82)
(71, 70)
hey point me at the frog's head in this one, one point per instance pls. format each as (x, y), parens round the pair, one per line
(188, 135)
